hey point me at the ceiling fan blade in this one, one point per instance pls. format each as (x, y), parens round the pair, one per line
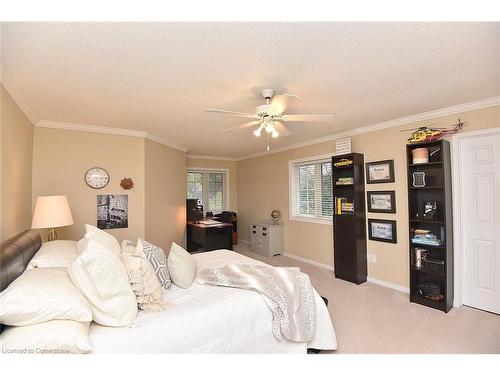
(240, 114)
(293, 96)
(281, 129)
(242, 126)
(307, 117)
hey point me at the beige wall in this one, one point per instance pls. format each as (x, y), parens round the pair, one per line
(263, 186)
(60, 160)
(165, 175)
(233, 176)
(16, 150)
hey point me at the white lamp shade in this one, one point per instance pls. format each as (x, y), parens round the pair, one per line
(52, 212)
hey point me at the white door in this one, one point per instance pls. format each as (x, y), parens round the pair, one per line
(480, 200)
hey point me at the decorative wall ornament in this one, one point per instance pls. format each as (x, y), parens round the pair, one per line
(126, 183)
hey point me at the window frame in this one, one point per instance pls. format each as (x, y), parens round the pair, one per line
(225, 187)
(293, 190)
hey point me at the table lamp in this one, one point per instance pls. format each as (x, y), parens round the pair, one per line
(52, 212)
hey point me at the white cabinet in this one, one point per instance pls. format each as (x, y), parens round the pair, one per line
(266, 238)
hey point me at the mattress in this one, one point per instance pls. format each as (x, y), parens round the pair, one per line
(210, 319)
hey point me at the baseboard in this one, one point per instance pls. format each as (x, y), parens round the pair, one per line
(397, 287)
(372, 280)
(313, 262)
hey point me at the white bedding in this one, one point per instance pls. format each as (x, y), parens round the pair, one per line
(210, 319)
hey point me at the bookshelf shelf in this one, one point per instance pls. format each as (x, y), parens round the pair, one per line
(349, 225)
(438, 176)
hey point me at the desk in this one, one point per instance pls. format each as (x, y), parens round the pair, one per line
(209, 237)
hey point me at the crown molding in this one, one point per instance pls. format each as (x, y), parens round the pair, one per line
(192, 156)
(460, 108)
(106, 130)
(154, 138)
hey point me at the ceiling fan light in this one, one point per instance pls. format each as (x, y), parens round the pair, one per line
(275, 133)
(258, 131)
(269, 128)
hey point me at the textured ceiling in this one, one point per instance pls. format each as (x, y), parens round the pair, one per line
(160, 77)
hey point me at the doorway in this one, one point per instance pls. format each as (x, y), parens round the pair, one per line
(476, 183)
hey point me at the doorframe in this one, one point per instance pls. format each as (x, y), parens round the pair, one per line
(458, 241)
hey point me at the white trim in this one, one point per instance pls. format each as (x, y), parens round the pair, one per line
(207, 157)
(372, 280)
(309, 261)
(458, 241)
(386, 284)
(484, 103)
(313, 220)
(227, 200)
(106, 130)
(154, 138)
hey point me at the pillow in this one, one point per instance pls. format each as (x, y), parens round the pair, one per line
(104, 238)
(158, 260)
(101, 276)
(42, 294)
(144, 283)
(52, 337)
(128, 247)
(181, 266)
(54, 254)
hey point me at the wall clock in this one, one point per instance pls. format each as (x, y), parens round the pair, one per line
(97, 178)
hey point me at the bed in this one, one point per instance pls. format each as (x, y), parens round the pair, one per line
(206, 319)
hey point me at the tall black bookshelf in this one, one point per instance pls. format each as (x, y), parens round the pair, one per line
(431, 233)
(349, 218)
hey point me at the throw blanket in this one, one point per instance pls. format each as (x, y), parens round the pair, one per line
(286, 290)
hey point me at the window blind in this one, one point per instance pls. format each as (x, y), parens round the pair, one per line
(313, 189)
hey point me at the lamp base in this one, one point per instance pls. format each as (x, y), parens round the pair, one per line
(52, 235)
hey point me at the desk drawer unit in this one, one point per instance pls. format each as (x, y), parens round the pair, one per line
(266, 239)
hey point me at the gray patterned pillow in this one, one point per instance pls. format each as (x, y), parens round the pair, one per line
(158, 260)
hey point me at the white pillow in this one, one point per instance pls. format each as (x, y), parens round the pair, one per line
(101, 277)
(144, 283)
(130, 248)
(104, 238)
(43, 294)
(54, 254)
(52, 337)
(181, 266)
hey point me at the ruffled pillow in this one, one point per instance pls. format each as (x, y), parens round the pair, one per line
(144, 283)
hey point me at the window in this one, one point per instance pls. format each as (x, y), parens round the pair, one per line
(311, 190)
(210, 187)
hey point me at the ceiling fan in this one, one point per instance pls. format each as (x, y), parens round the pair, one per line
(268, 116)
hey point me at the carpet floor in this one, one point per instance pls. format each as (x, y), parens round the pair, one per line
(369, 318)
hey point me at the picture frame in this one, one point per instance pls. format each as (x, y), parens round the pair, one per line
(381, 201)
(382, 230)
(380, 172)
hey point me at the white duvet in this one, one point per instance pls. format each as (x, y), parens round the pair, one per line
(210, 319)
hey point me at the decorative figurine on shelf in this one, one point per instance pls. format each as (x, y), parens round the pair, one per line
(430, 210)
(343, 163)
(428, 134)
(276, 216)
(418, 179)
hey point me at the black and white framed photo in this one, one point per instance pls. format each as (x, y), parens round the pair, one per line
(112, 211)
(379, 172)
(381, 201)
(382, 230)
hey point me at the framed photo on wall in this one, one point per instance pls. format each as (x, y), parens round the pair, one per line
(382, 201)
(382, 230)
(379, 172)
